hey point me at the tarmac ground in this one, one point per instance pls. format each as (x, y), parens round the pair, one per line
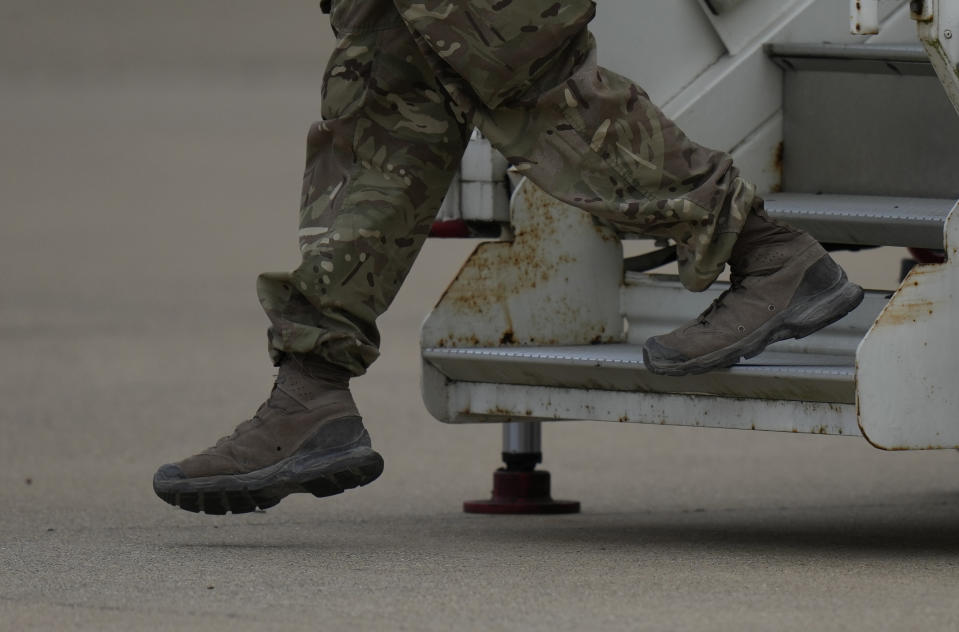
(150, 166)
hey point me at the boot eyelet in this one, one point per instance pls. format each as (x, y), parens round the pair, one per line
(279, 449)
(772, 308)
(741, 329)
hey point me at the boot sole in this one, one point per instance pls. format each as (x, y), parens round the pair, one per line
(321, 474)
(798, 321)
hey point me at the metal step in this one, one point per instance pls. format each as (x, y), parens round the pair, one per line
(819, 368)
(865, 219)
(885, 59)
(484, 402)
(865, 119)
(619, 367)
(804, 385)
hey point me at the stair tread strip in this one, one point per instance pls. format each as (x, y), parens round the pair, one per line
(771, 375)
(883, 59)
(864, 219)
(885, 52)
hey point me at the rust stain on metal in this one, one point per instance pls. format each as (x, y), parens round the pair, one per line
(500, 275)
(778, 154)
(499, 411)
(484, 257)
(459, 341)
(482, 286)
(903, 448)
(907, 312)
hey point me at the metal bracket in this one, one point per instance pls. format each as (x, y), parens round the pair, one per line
(556, 282)
(864, 17)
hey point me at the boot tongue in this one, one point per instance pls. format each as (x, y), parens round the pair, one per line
(284, 399)
(299, 385)
(763, 247)
(304, 367)
(735, 285)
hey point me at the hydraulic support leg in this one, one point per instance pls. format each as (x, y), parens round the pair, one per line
(519, 488)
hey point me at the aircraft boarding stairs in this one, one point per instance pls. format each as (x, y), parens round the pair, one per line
(548, 323)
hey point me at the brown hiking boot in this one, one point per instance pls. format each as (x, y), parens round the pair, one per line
(307, 437)
(783, 285)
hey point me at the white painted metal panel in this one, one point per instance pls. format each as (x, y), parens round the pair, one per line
(908, 364)
(471, 402)
(556, 282)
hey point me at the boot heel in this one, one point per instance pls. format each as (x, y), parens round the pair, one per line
(356, 472)
(832, 309)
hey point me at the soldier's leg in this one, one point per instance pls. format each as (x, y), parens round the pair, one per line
(584, 134)
(378, 166)
(527, 72)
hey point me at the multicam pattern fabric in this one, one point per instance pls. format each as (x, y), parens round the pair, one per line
(406, 84)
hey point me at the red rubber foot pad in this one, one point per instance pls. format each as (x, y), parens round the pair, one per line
(521, 493)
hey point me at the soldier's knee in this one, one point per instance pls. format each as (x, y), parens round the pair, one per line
(350, 16)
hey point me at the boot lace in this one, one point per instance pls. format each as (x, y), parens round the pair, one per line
(735, 285)
(265, 406)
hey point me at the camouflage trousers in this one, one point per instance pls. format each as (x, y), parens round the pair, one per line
(406, 84)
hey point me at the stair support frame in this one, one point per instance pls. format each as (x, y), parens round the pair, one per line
(938, 25)
(907, 386)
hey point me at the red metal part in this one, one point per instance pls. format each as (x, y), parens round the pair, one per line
(521, 493)
(454, 228)
(925, 255)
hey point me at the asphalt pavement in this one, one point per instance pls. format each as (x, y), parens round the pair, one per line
(149, 169)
